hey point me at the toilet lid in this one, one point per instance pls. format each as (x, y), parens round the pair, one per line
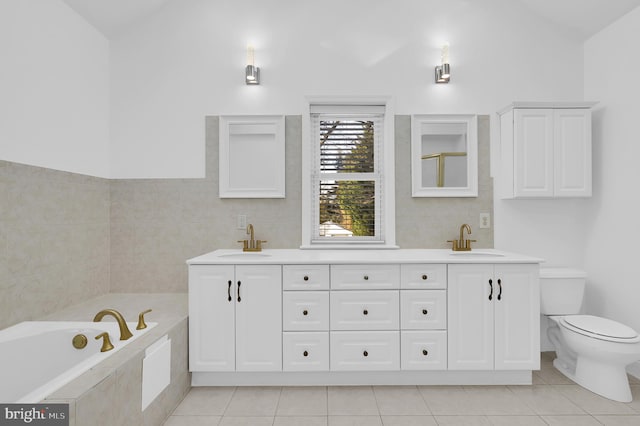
(600, 326)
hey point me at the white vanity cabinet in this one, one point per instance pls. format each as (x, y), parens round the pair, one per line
(349, 317)
(493, 317)
(546, 150)
(235, 318)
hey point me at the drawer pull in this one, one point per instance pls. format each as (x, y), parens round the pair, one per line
(365, 312)
(305, 353)
(425, 312)
(229, 291)
(365, 353)
(305, 312)
(306, 278)
(366, 277)
(425, 277)
(425, 352)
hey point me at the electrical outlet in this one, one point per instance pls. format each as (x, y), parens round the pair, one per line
(485, 220)
(242, 221)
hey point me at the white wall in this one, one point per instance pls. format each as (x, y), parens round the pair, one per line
(54, 88)
(613, 213)
(187, 61)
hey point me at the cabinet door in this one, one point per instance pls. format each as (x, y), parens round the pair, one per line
(211, 318)
(517, 317)
(533, 152)
(470, 312)
(572, 156)
(258, 318)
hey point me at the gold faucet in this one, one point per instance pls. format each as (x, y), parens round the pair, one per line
(251, 244)
(462, 244)
(106, 342)
(124, 330)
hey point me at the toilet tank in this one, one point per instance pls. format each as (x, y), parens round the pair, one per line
(561, 290)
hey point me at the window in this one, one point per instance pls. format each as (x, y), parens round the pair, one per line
(348, 188)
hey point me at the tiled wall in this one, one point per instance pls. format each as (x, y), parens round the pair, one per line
(54, 240)
(157, 224)
(67, 237)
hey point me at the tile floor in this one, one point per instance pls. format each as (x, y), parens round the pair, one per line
(551, 400)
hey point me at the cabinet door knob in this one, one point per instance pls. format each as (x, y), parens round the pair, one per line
(365, 353)
(305, 312)
(425, 352)
(305, 353)
(424, 277)
(365, 312)
(425, 312)
(366, 277)
(306, 278)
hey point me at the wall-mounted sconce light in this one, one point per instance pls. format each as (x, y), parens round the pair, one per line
(443, 71)
(251, 72)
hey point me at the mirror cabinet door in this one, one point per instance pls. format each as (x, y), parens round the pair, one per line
(444, 156)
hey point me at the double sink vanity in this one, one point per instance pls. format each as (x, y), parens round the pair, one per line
(330, 317)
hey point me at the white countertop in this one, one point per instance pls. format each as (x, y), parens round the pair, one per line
(346, 256)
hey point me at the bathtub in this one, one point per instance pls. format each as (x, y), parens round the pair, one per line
(37, 357)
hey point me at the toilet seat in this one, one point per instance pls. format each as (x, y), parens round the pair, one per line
(600, 328)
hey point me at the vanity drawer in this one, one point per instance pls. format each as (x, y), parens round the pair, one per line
(305, 310)
(361, 277)
(365, 310)
(365, 350)
(305, 277)
(423, 309)
(423, 276)
(424, 350)
(305, 351)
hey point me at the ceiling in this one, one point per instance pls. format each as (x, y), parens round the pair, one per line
(582, 18)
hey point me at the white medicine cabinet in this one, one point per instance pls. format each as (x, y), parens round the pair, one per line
(252, 156)
(444, 155)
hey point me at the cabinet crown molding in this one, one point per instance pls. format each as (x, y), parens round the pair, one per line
(554, 105)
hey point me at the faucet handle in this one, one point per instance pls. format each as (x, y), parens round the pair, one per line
(245, 244)
(106, 342)
(259, 244)
(141, 324)
(454, 244)
(468, 244)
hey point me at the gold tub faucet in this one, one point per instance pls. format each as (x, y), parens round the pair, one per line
(125, 333)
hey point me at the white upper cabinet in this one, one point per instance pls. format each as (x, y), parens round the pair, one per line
(546, 150)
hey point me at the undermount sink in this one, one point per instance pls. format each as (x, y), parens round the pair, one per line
(475, 254)
(244, 254)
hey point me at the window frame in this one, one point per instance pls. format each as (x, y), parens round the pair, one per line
(349, 106)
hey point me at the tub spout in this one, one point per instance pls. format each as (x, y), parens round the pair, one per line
(125, 333)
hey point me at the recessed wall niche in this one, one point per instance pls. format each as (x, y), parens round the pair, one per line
(252, 156)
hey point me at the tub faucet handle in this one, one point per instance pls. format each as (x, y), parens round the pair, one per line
(106, 342)
(141, 323)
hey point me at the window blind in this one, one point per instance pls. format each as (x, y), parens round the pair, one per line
(347, 173)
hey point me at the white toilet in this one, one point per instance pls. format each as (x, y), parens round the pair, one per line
(592, 351)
